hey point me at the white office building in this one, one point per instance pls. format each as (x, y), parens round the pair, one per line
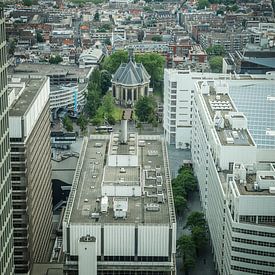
(120, 215)
(237, 191)
(252, 95)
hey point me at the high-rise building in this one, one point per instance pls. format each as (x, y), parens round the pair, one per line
(236, 190)
(120, 215)
(31, 171)
(6, 229)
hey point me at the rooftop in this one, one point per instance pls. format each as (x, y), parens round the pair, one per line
(231, 125)
(141, 209)
(21, 105)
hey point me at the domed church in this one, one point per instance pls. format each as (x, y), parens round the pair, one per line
(130, 82)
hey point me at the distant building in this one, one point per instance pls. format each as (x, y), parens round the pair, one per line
(90, 58)
(6, 227)
(251, 61)
(130, 82)
(29, 118)
(120, 215)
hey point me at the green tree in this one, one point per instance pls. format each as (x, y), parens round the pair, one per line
(95, 79)
(199, 237)
(187, 250)
(39, 37)
(108, 105)
(215, 63)
(180, 203)
(157, 38)
(196, 219)
(93, 100)
(145, 108)
(112, 62)
(96, 16)
(140, 35)
(154, 65)
(202, 4)
(82, 122)
(216, 50)
(55, 59)
(68, 124)
(27, 3)
(107, 41)
(105, 81)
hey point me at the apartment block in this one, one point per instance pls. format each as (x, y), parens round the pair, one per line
(29, 120)
(6, 229)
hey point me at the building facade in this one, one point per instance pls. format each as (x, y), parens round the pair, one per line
(236, 191)
(31, 174)
(6, 227)
(120, 216)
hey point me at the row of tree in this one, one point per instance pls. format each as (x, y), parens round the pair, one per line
(183, 185)
(190, 245)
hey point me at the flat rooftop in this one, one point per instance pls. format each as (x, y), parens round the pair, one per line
(88, 193)
(129, 148)
(247, 187)
(115, 175)
(50, 69)
(21, 105)
(222, 103)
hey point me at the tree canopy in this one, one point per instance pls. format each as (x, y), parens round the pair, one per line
(215, 63)
(145, 109)
(68, 124)
(216, 50)
(55, 59)
(202, 4)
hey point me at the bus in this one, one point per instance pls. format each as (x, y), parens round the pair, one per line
(104, 129)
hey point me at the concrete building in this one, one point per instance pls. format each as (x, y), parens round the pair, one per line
(6, 228)
(130, 82)
(90, 58)
(120, 216)
(252, 95)
(29, 118)
(68, 84)
(236, 191)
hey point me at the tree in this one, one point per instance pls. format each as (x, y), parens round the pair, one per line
(140, 35)
(216, 50)
(55, 59)
(105, 81)
(199, 236)
(95, 79)
(39, 37)
(196, 219)
(187, 250)
(180, 203)
(93, 100)
(202, 4)
(112, 62)
(145, 108)
(27, 3)
(68, 124)
(107, 41)
(215, 63)
(154, 65)
(157, 38)
(96, 16)
(82, 122)
(108, 105)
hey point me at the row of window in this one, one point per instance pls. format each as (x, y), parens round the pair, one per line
(254, 252)
(252, 261)
(241, 240)
(251, 271)
(253, 232)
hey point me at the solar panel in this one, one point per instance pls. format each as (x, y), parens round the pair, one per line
(255, 100)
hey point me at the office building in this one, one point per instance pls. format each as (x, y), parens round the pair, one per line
(236, 191)
(29, 120)
(253, 95)
(6, 229)
(120, 216)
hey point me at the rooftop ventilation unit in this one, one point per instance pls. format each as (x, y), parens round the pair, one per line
(154, 207)
(122, 170)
